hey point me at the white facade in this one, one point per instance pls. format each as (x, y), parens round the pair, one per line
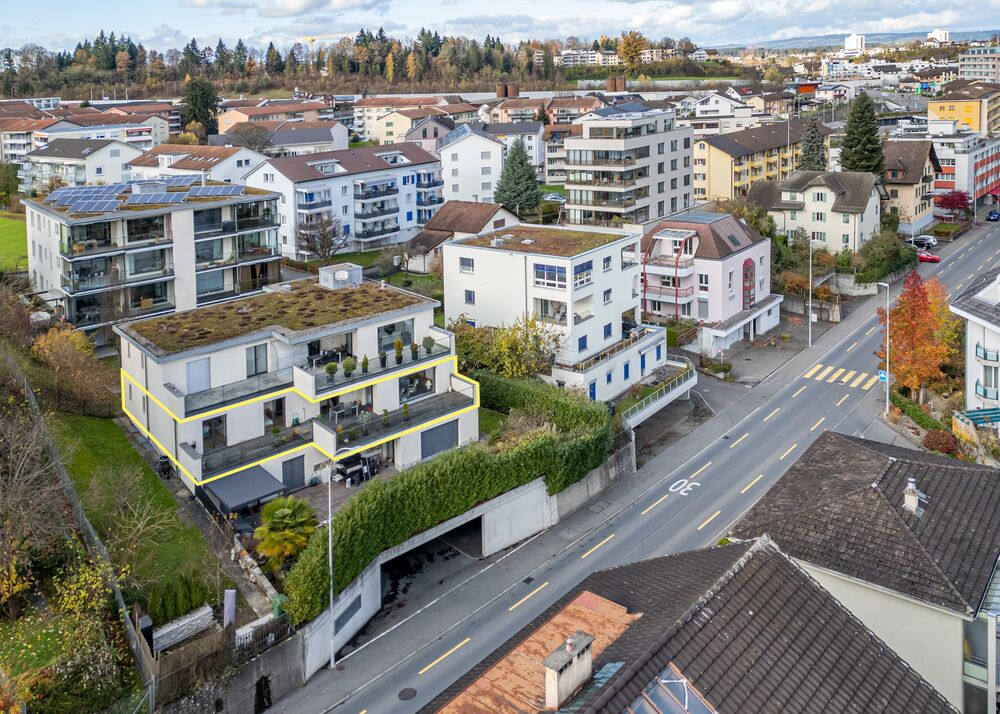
(471, 164)
(835, 230)
(151, 132)
(106, 164)
(181, 161)
(982, 351)
(941, 36)
(531, 133)
(854, 45)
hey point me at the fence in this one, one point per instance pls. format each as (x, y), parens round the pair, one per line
(145, 665)
(661, 390)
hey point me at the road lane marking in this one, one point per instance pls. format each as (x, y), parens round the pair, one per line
(750, 485)
(870, 383)
(696, 473)
(981, 266)
(847, 377)
(843, 399)
(525, 598)
(446, 654)
(733, 445)
(821, 420)
(654, 504)
(776, 410)
(852, 347)
(959, 286)
(597, 546)
(790, 450)
(812, 371)
(971, 276)
(822, 375)
(799, 392)
(709, 519)
(859, 380)
(833, 377)
(870, 330)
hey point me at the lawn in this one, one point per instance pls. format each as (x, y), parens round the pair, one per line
(13, 243)
(552, 188)
(33, 641)
(630, 401)
(944, 227)
(423, 284)
(364, 258)
(361, 144)
(491, 423)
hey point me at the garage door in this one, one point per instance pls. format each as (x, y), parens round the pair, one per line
(440, 438)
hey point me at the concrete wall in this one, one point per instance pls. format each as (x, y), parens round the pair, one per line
(823, 310)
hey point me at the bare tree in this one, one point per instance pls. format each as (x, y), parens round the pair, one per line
(252, 136)
(324, 238)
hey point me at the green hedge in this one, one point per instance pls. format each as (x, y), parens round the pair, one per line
(387, 513)
(913, 410)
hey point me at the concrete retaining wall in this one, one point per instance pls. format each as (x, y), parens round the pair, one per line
(823, 310)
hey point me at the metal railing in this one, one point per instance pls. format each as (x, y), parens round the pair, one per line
(662, 390)
(643, 332)
(325, 382)
(987, 355)
(666, 261)
(257, 448)
(433, 183)
(376, 212)
(669, 291)
(986, 392)
(372, 193)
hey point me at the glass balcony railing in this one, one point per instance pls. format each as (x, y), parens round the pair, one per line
(149, 306)
(230, 457)
(986, 392)
(325, 382)
(987, 355)
(237, 391)
(374, 193)
(219, 261)
(370, 233)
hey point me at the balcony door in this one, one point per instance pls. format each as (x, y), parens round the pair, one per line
(213, 433)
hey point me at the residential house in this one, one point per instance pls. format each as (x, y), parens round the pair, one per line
(745, 117)
(275, 111)
(838, 209)
(736, 628)
(910, 168)
(908, 542)
(240, 398)
(429, 133)
(717, 104)
(75, 162)
(471, 163)
(974, 105)
(454, 220)
(367, 110)
(554, 137)
(977, 305)
(518, 109)
(291, 138)
(980, 63)
(15, 136)
(834, 93)
(221, 163)
(379, 195)
(699, 55)
(165, 110)
(102, 254)
(393, 126)
(583, 282)
(563, 110)
(531, 134)
(138, 130)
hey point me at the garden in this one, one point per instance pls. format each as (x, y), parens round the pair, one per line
(13, 243)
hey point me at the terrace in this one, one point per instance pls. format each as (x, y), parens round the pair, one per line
(546, 241)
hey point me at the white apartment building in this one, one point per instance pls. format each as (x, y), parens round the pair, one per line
(143, 134)
(471, 163)
(292, 138)
(555, 151)
(381, 195)
(580, 58)
(368, 110)
(982, 63)
(253, 398)
(531, 133)
(75, 162)
(16, 137)
(102, 254)
(629, 165)
(583, 282)
(977, 305)
(854, 45)
(218, 163)
(837, 209)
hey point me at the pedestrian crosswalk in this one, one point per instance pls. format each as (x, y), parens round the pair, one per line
(841, 375)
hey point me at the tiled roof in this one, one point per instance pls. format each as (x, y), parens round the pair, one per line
(840, 507)
(513, 127)
(20, 124)
(852, 190)
(290, 108)
(103, 118)
(400, 101)
(464, 216)
(762, 138)
(719, 234)
(967, 302)
(427, 240)
(969, 91)
(524, 103)
(354, 161)
(195, 157)
(563, 129)
(908, 158)
(70, 148)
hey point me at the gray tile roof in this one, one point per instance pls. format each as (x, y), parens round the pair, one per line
(761, 138)
(852, 189)
(513, 127)
(840, 507)
(967, 302)
(70, 148)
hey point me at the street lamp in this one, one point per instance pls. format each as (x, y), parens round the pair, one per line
(810, 291)
(886, 286)
(329, 551)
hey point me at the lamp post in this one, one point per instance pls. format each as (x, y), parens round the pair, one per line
(886, 286)
(810, 317)
(329, 552)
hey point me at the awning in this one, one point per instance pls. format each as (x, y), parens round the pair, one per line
(995, 192)
(246, 488)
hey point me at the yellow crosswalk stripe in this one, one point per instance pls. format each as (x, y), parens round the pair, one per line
(870, 383)
(822, 375)
(847, 377)
(859, 380)
(812, 371)
(833, 377)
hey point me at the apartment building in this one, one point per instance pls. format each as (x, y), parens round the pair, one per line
(166, 110)
(275, 111)
(471, 163)
(980, 63)
(630, 164)
(587, 57)
(838, 209)
(102, 254)
(563, 110)
(75, 162)
(380, 195)
(726, 166)
(429, 133)
(908, 542)
(263, 395)
(910, 168)
(583, 282)
(290, 138)
(393, 126)
(142, 132)
(744, 117)
(219, 163)
(711, 268)
(531, 134)
(518, 109)
(16, 137)
(367, 110)
(977, 305)
(974, 105)
(554, 137)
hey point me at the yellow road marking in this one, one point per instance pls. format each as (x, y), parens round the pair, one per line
(843, 399)
(799, 392)
(654, 504)
(449, 652)
(997, 253)
(821, 420)
(733, 445)
(812, 371)
(597, 546)
(709, 520)
(870, 383)
(522, 600)
(835, 375)
(859, 380)
(822, 375)
(777, 409)
(870, 330)
(750, 485)
(852, 347)
(696, 473)
(848, 376)
(363, 711)
(790, 450)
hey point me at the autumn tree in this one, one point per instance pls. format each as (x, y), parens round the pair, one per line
(412, 67)
(955, 202)
(390, 68)
(773, 75)
(524, 348)
(324, 238)
(252, 136)
(630, 47)
(69, 355)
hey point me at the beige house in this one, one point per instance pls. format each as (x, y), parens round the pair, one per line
(368, 109)
(392, 127)
(282, 111)
(454, 220)
(909, 179)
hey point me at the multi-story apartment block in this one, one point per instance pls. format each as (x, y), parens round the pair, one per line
(166, 110)
(471, 163)
(977, 305)
(518, 109)
(854, 45)
(380, 195)
(276, 111)
(838, 209)
(910, 168)
(531, 134)
(726, 166)
(429, 133)
(102, 254)
(368, 109)
(75, 162)
(711, 268)
(582, 58)
(291, 138)
(744, 117)
(16, 137)
(393, 126)
(563, 110)
(142, 132)
(555, 150)
(244, 400)
(980, 63)
(582, 282)
(220, 163)
(630, 164)
(974, 105)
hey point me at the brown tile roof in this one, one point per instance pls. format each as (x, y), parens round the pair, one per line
(285, 125)
(908, 158)
(564, 129)
(195, 157)
(443, 110)
(840, 506)
(427, 240)
(400, 101)
(852, 189)
(966, 92)
(464, 216)
(20, 124)
(354, 161)
(289, 108)
(524, 103)
(719, 234)
(762, 138)
(106, 118)
(19, 109)
(574, 103)
(150, 108)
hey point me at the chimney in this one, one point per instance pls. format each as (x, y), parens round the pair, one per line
(567, 669)
(911, 497)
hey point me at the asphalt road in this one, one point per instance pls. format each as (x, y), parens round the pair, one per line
(685, 498)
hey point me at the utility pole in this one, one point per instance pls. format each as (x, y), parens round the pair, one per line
(886, 286)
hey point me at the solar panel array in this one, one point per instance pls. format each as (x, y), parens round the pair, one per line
(95, 206)
(101, 199)
(155, 198)
(184, 180)
(229, 190)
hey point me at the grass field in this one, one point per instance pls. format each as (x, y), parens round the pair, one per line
(361, 144)
(552, 188)
(491, 423)
(424, 284)
(13, 243)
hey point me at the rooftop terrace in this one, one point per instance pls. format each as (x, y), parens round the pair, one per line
(564, 242)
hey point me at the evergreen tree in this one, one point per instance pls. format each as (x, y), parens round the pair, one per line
(273, 64)
(542, 116)
(517, 189)
(240, 56)
(812, 152)
(862, 148)
(200, 103)
(223, 57)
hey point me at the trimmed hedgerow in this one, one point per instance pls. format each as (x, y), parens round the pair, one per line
(913, 410)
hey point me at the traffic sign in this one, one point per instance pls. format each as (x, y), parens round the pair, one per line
(882, 376)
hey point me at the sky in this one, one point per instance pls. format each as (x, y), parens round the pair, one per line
(706, 22)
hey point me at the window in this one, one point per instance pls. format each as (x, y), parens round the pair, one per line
(792, 215)
(730, 281)
(99, 170)
(486, 186)
(846, 237)
(467, 265)
(847, 218)
(673, 145)
(626, 371)
(702, 282)
(454, 157)
(454, 173)
(673, 164)
(454, 188)
(659, 187)
(581, 344)
(583, 274)
(486, 170)
(818, 217)
(687, 143)
(659, 168)
(213, 433)
(819, 196)
(470, 297)
(414, 386)
(673, 204)
(607, 377)
(484, 155)
(660, 148)
(673, 184)
(607, 296)
(550, 276)
(818, 235)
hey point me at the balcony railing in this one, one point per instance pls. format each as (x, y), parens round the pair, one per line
(588, 364)
(376, 212)
(236, 391)
(258, 252)
(666, 261)
(149, 306)
(374, 193)
(559, 319)
(230, 457)
(610, 202)
(326, 382)
(430, 183)
(221, 261)
(84, 248)
(315, 205)
(249, 223)
(376, 232)
(669, 292)
(987, 355)
(602, 161)
(986, 392)
(430, 201)
(602, 182)
(74, 283)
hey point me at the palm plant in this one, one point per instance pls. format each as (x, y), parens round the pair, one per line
(286, 524)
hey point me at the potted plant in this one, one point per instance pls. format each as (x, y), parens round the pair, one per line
(349, 366)
(276, 431)
(331, 371)
(340, 433)
(364, 418)
(364, 365)
(382, 358)
(398, 346)
(385, 417)
(353, 434)
(406, 411)
(428, 344)
(414, 350)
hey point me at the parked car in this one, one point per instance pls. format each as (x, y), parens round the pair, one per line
(557, 197)
(993, 215)
(924, 257)
(923, 241)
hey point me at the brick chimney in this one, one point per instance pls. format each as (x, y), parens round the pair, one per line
(567, 669)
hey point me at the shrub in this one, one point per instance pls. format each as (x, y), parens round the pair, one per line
(913, 410)
(941, 441)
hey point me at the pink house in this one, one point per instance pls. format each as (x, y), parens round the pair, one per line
(714, 269)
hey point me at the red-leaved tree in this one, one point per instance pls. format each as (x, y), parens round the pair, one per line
(955, 202)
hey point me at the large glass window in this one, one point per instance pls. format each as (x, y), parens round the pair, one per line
(212, 282)
(387, 335)
(208, 220)
(143, 229)
(150, 262)
(550, 276)
(414, 386)
(213, 433)
(256, 360)
(583, 274)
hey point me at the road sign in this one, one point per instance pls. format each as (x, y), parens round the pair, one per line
(882, 376)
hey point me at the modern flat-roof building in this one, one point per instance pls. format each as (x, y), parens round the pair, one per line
(471, 163)
(555, 151)
(242, 399)
(980, 63)
(103, 254)
(75, 162)
(141, 131)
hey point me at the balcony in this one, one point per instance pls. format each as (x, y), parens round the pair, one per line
(624, 182)
(376, 212)
(372, 194)
(645, 332)
(987, 355)
(261, 447)
(249, 223)
(149, 306)
(315, 205)
(430, 201)
(222, 261)
(664, 293)
(372, 233)
(986, 392)
(553, 318)
(667, 261)
(237, 289)
(202, 401)
(616, 202)
(430, 183)
(610, 161)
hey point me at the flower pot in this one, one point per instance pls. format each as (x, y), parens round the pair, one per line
(348, 373)
(415, 353)
(382, 359)
(399, 358)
